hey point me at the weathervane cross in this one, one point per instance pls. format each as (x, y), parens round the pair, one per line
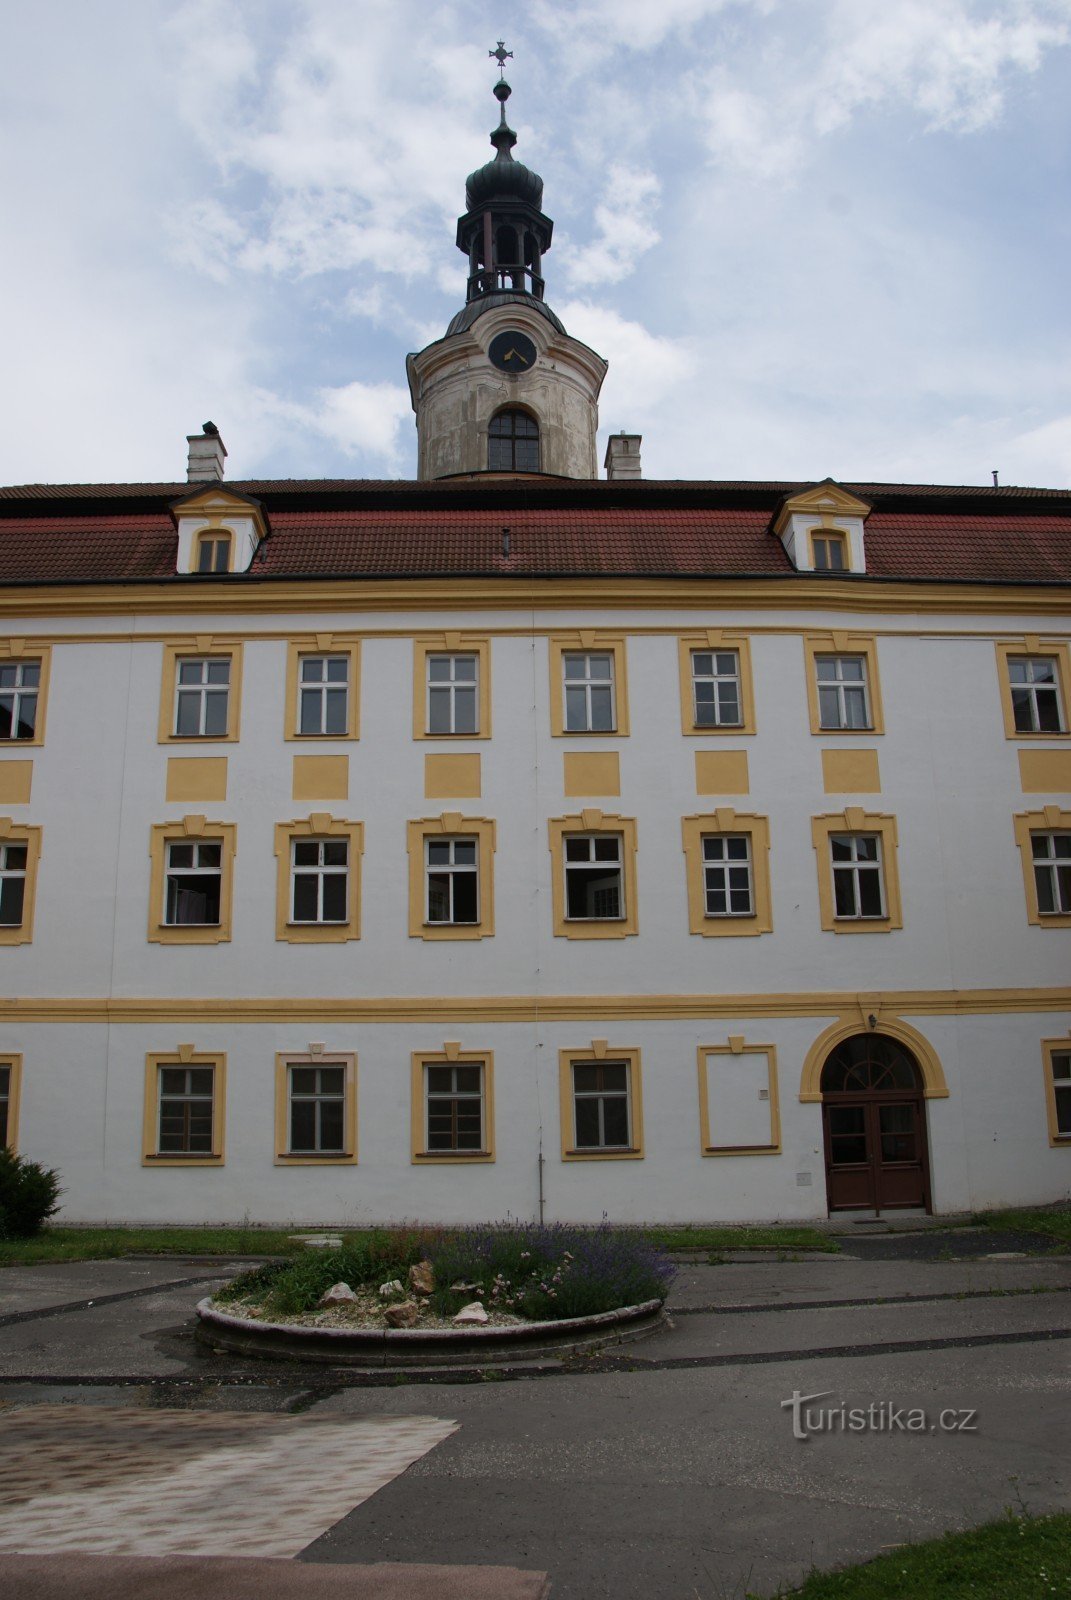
(501, 55)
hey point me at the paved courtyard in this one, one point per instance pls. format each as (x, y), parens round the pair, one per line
(668, 1467)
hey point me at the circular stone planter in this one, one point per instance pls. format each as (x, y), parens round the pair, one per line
(424, 1347)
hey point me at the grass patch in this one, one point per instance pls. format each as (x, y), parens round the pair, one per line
(742, 1239)
(1052, 1221)
(103, 1244)
(1015, 1558)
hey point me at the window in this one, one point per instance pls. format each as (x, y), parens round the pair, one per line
(1057, 1058)
(738, 1103)
(317, 886)
(214, 552)
(727, 863)
(513, 442)
(23, 691)
(321, 687)
(858, 882)
(200, 691)
(587, 685)
(184, 1099)
(830, 552)
(10, 1083)
(715, 673)
(190, 886)
(20, 849)
(842, 683)
(450, 877)
(601, 1111)
(1044, 840)
(452, 687)
(1035, 688)
(453, 1105)
(594, 890)
(315, 1108)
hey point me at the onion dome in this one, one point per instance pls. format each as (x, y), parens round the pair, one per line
(503, 178)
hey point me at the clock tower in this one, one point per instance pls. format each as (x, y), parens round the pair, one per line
(506, 389)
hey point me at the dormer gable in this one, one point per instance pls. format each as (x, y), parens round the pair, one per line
(822, 530)
(219, 531)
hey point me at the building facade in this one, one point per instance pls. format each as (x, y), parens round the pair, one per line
(517, 843)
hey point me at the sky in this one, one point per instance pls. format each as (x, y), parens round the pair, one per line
(811, 237)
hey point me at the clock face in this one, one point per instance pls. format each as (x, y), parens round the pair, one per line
(512, 352)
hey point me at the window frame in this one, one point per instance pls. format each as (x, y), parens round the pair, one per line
(726, 820)
(854, 820)
(202, 648)
(451, 824)
(321, 826)
(320, 646)
(13, 1062)
(284, 1156)
(451, 1055)
(715, 641)
(197, 830)
(593, 821)
(585, 642)
(20, 652)
(1050, 1049)
(1026, 824)
(510, 409)
(183, 1057)
(839, 536)
(1033, 648)
(600, 1053)
(451, 644)
(213, 536)
(737, 1045)
(843, 644)
(27, 837)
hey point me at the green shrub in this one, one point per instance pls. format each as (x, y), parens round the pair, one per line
(29, 1194)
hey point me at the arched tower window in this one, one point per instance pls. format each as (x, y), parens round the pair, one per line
(513, 442)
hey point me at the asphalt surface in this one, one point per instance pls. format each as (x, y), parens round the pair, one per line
(666, 1467)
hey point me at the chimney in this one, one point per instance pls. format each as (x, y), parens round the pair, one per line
(623, 456)
(207, 454)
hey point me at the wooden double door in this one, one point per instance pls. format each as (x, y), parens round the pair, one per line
(874, 1127)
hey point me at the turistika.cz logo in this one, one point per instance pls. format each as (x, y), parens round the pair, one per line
(880, 1416)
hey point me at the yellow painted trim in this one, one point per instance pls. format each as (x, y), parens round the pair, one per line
(199, 647)
(591, 772)
(1050, 1048)
(454, 1055)
(829, 530)
(593, 642)
(284, 1060)
(726, 820)
(600, 1051)
(323, 644)
(196, 778)
(836, 643)
(592, 820)
(721, 772)
(451, 824)
(27, 650)
(1059, 651)
(1050, 820)
(934, 1086)
(455, 776)
(197, 828)
(14, 1097)
(716, 639)
(214, 532)
(318, 826)
(19, 833)
(850, 771)
(138, 1010)
(1045, 771)
(16, 782)
(184, 1056)
(853, 819)
(736, 1046)
(320, 778)
(447, 644)
(824, 499)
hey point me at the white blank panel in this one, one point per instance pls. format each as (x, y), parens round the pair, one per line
(738, 1094)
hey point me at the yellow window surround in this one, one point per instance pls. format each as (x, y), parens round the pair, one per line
(710, 641)
(854, 820)
(25, 651)
(737, 1047)
(600, 1051)
(1032, 646)
(451, 824)
(13, 1063)
(184, 1055)
(315, 1056)
(587, 641)
(196, 829)
(14, 833)
(201, 647)
(873, 1012)
(838, 643)
(450, 643)
(451, 1054)
(213, 535)
(725, 820)
(1051, 819)
(318, 825)
(593, 821)
(303, 646)
(1056, 1061)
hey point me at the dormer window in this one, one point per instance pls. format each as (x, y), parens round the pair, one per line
(214, 551)
(822, 529)
(830, 552)
(513, 442)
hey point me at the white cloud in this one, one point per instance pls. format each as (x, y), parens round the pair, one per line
(625, 231)
(644, 370)
(361, 420)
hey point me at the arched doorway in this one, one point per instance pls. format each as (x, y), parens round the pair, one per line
(874, 1127)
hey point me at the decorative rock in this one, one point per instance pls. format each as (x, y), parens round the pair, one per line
(403, 1315)
(474, 1312)
(339, 1294)
(422, 1277)
(386, 1290)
